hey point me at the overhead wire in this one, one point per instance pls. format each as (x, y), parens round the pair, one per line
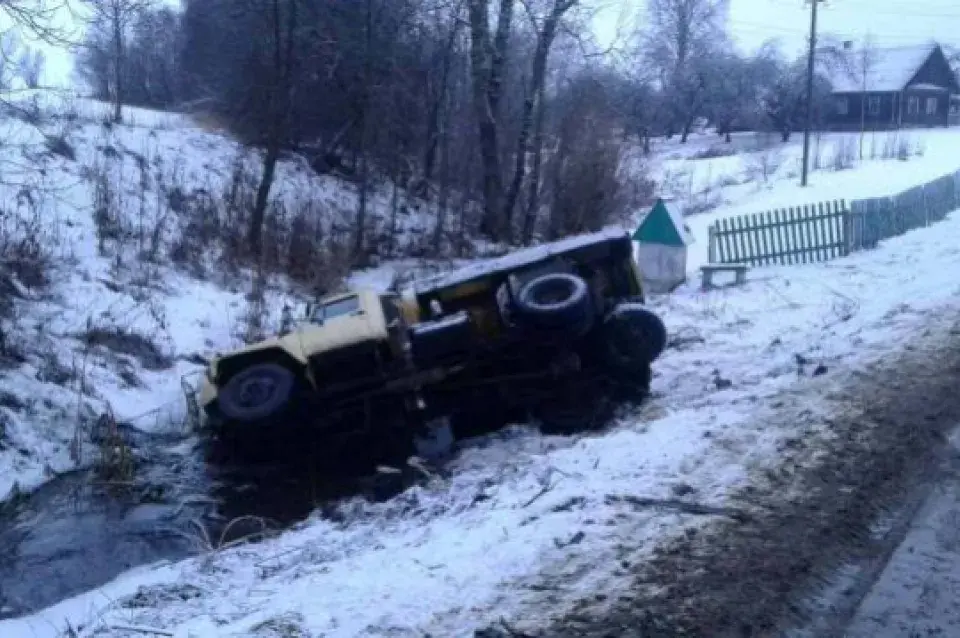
(781, 28)
(909, 9)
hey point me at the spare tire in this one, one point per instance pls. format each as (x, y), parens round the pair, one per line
(257, 392)
(556, 302)
(633, 338)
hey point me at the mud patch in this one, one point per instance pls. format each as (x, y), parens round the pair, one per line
(750, 576)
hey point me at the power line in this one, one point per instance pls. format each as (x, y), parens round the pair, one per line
(762, 27)
(907, 10)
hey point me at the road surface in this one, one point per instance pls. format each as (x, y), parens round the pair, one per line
(859, 536)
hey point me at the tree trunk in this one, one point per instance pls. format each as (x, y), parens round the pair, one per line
(117, 66)
(394, 206)
(365, 100)
(444, 195)
(359, 236)
(279, 105)
(544, 42)
(486, 71)
(533, 196)
(687, 126)
(255, 234)
(437, 108)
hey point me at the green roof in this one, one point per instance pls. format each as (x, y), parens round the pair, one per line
(660, 226)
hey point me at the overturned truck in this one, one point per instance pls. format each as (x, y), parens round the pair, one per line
(558, 333)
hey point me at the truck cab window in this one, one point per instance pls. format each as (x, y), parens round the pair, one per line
(336, 308)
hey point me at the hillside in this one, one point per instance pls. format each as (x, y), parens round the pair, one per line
(122, 266)
(126, 232)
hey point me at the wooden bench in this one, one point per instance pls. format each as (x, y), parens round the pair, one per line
(707, 272)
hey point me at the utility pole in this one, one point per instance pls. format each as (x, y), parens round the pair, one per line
(809, 100)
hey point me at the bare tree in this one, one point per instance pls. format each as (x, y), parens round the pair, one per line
(488, 56)
(278, 86)
(588, 189)
(113, 19)
(864, 63)
(438, 91)
(734, 84)
(679, 36)
(10, 48)
(39, 17)
(30, 67)
(546, 33)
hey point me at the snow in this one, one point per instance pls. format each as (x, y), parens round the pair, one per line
(479, 544)
(887, 69)
(519, 525)
(53, 197)
(517, 259)
(735, 184)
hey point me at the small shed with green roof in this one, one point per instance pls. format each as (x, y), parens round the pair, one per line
(660, 243)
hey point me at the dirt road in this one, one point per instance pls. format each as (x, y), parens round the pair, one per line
(822, 528)
(918, 591)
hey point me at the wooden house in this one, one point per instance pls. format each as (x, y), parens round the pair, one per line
(890, 88)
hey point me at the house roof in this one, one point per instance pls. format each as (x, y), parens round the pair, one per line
(887, 69)
(663, 224)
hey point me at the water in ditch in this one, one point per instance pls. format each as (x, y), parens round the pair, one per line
(77, 532)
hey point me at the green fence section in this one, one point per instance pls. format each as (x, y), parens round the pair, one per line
(878, 218)
(820, 232)
(796, 235)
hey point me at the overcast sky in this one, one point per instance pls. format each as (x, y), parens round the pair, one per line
(889, 22)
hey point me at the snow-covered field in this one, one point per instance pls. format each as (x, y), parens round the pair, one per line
(763, 174)
(521, 525)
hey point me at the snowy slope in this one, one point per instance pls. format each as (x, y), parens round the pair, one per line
(516, 509)
(524, 525)
(757, 173)
(133, 297)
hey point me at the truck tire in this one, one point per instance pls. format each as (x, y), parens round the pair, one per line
(573, 409)
(633, 339)
(257, 392)
(556, 302)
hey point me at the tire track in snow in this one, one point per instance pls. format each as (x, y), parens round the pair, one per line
(760, 576)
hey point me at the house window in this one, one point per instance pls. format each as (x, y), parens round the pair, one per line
(843, 106)
(873, 105)
(913, 105)
(931, 106)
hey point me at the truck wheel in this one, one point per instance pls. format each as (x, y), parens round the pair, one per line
(633, 338)
(257, 392)
(557, 301)
(569, 412)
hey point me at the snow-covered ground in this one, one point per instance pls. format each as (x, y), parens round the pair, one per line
(110, 210)
(517, 511)
(756, 173)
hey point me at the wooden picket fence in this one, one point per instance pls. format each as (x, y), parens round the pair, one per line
(794, 235)
(819, 232)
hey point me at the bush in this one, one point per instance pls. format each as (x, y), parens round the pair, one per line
(844, 153)
(131, 343)
(713, 152)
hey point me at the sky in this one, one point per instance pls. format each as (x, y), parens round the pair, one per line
(751, 23)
